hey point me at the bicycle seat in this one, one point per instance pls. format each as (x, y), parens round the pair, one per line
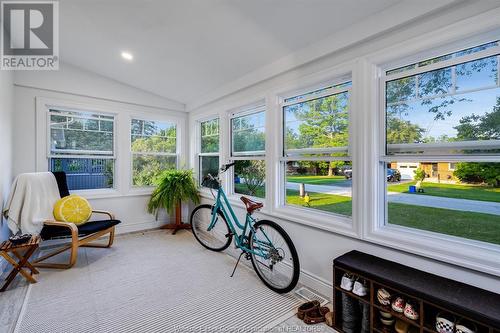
(251, 205)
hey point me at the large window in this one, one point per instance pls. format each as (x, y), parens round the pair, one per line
(248, 151)
(443, 119)
(209, 149)
(154, 149)
(316, 159)
(82, 145)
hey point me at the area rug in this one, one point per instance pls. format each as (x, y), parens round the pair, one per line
(152, 282)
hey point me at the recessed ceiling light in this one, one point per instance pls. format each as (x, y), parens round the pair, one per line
(127, 56)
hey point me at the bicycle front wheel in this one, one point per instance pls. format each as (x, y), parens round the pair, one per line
(216, 239)
(274, 257)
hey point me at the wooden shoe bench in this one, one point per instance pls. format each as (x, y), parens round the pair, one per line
(430, 293)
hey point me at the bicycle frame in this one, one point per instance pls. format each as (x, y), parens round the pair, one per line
(225, 207)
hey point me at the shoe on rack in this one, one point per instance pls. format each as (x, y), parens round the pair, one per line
(410, 311)
(398, 305)
(347, 282)
(383, 297)
(401, 326)
(359, 288)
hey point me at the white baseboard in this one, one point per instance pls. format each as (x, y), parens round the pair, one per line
(124, 228)
(316, 283)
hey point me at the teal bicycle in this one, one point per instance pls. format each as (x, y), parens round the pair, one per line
(273, 255)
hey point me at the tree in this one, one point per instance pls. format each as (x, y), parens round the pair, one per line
(402, 131)
(254, 174)
(474, 127)
(485, 127)
(434, 90)
(147, 168)
(324, 123)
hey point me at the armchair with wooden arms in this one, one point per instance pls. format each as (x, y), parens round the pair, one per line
(80, 235)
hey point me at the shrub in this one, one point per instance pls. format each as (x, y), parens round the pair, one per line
(419, 174)
(478, 172)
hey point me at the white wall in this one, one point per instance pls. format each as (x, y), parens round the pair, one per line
(6, 112)
(317, 248)
(73, 85)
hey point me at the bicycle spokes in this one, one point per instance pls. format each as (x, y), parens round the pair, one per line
(272, 257)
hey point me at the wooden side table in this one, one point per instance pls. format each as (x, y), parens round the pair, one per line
(18, 266)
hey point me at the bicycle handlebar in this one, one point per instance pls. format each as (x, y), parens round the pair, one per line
(224, 167)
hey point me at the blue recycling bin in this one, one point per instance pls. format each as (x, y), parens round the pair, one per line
(412, 189)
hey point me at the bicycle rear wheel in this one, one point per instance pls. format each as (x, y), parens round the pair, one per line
(216, 239)
(274, 257)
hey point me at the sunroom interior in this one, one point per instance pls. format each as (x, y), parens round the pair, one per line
(363, 135)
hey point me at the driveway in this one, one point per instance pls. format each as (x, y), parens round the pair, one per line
(465, 205)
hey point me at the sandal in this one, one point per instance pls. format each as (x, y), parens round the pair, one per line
(316, 315)
(305, 307)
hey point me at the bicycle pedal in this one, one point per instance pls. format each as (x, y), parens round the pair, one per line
(248, 256)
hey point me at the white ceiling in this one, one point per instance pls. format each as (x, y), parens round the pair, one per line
(184, 49)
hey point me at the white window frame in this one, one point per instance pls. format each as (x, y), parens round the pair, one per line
(43, 151)
(132, 154)
(340, 224)
(199, 154)
(245, 156)
(292, 155)
(479, 256)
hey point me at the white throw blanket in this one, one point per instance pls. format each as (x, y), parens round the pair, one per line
(31, 201)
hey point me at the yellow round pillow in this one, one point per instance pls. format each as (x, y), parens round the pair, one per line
(72, 208)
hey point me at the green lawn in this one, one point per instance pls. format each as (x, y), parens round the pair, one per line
(328, 202)
(317, 180)
(482, 193)
(482, 227)
(477, 226)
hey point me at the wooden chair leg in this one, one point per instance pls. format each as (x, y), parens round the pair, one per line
(73, 247)
(111, 232)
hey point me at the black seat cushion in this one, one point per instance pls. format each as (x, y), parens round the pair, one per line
(51, 231)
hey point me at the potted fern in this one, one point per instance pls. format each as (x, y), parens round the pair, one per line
(174, 187)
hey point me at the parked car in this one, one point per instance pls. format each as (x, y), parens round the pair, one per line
(393, 175)
(348, 173)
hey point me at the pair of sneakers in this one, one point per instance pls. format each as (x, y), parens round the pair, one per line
(407, 308)
(356, 285)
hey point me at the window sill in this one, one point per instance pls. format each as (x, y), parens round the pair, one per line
(112, 193)
(140, 191)
(98, 194)
(475, 255)
(333, 223)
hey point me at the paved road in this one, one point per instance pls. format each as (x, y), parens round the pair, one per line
(412, 199)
